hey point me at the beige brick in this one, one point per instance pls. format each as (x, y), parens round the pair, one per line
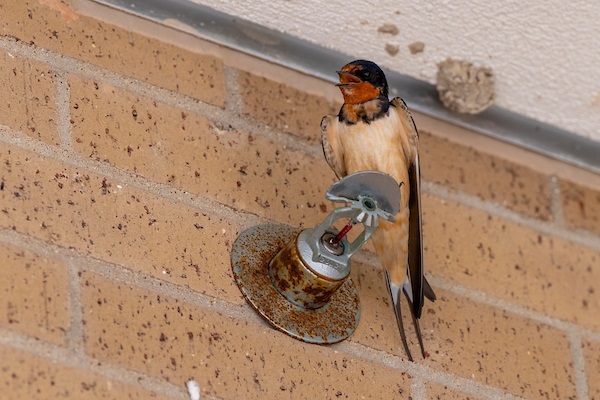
(54, 25)
(28, 100)
(283, 107)
(27, 376)
(377, 327)
(33, 294)
(109, 220)
(591, 351)
(172, 340)
(511, 261)
(441, 392)
(187, 151)
(463, 168)
(581, 206)
(497, 348)
(471, 340)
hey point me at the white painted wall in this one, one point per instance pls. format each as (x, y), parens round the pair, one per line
(545, 53)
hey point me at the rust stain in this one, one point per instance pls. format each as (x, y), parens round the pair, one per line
(251, 254)
(297, 282)
(68, 14)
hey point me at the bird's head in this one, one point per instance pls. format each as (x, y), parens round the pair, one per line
(361, 81)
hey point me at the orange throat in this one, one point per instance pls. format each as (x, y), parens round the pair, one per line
(357, 93)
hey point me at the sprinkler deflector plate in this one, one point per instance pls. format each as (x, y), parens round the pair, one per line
(250, 257)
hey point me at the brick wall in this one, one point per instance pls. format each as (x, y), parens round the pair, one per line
(130, 163)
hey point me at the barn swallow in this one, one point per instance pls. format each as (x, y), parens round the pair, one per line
(373, 133)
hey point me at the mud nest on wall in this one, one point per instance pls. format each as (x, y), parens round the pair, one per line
(464, 87)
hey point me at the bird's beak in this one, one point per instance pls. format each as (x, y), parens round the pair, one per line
(347, 78)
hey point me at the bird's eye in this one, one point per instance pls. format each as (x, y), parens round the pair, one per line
(366, 74)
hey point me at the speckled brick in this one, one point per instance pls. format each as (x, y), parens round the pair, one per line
(28, 97)
(54, 25)
(377, 328)
(27, 376)
(441, 392)
(33, 294)
(187, 151)
(554, 276)
(283, 107)
(172, 340)
(109, 220)
(591, 352)
(581, 206)
(468, 339)
(489, 177)
(497, 348)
